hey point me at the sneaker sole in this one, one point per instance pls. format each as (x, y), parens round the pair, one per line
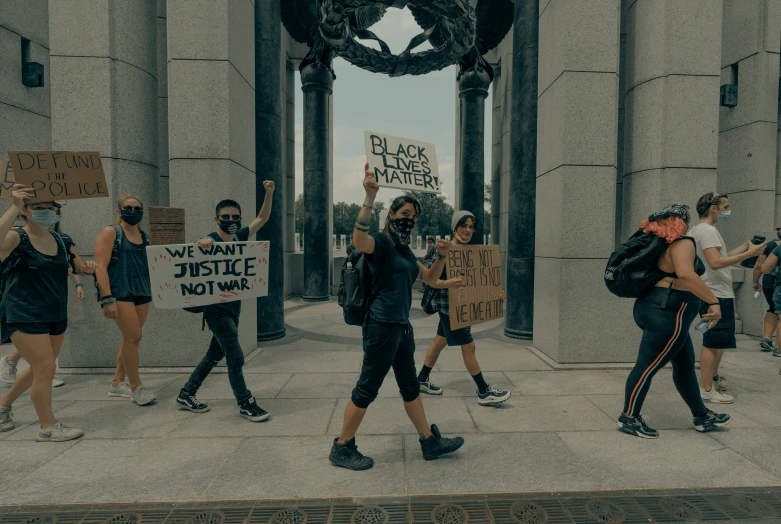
(713, 427)
(718, 401)
(635, 433)
(428, 391)
(443, 454)
(193, 410)
(9, 427)
(492, 401)
(119, 395)
(142, 403)
(256, 419)
(58, 439)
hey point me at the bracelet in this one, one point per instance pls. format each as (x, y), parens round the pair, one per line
(107, 300)
(716, 304)
(368, 207)
(79, 285)
(440, 256)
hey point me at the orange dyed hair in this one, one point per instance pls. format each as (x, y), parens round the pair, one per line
(670, 228)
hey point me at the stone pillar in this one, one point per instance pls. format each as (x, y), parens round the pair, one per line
(317, 82)
(473, 90)
(162, 104)
(523, 160)
(751, 41)
(269, 148)
(576, 184)
(290, 184)
(496, 158)
(104, 97)
(672, 105)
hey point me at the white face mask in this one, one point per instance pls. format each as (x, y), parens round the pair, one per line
(724, 215)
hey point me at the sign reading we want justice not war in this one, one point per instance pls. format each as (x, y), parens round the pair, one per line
(401, 163)
(189, 275)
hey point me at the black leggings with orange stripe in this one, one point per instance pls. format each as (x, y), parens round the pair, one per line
(665, 317)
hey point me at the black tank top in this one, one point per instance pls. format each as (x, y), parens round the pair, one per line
(699, 267)
(129, 274)
(36, 287)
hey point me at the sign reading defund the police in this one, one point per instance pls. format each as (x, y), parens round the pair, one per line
(187, 275)
(401, 163)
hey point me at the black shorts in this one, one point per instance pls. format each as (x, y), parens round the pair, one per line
(722, 335)
(457, 337)
(33, 328)
(768, 292)
(138, 301)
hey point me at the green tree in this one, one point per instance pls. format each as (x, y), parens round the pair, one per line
(436, 214)
(344, 216)
(299, 213)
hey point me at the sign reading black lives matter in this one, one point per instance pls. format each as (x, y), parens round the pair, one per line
(478, 300)
(60, 175)
(401, 163)
(189, 275)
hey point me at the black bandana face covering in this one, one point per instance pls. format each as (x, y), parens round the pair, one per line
(230, 226)
(400, 229)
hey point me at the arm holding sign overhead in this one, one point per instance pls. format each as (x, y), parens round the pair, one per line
(19, 196)
(265, 211)
(361, 238)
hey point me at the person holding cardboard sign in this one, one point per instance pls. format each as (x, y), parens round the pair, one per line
(388, 339)
(124, 293)
(463, 225)
(34, 307)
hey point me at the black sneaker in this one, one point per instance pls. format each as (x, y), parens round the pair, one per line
(430, 388)
(711, 421)
(493, 395)
(347, 456)
(190, 403)
(766, 344)
(436, 446)
(251, 411)
(636, 426)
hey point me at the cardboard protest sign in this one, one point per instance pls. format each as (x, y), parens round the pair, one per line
(166, 225)
(478, 300)
(401, 163)
(60, 175)
(7, 179)
(189, 275)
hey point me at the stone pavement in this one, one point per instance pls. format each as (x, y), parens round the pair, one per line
(557, 432)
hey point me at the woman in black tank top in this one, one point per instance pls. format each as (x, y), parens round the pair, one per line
(125, 293)
(34, 307)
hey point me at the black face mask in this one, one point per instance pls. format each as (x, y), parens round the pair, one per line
(131, 217)
(230, 226)
(400, 229)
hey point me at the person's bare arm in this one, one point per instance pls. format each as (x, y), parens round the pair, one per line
(769, 264)
(430, 275)
(447, 284)
(716, 261)
(740, 249)
(9, 240)
(361, 238)
(682, 254)
(758, 271)
(265, 210)
(104, 244)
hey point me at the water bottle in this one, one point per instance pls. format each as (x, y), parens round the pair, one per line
(757, 295)
(702, 326)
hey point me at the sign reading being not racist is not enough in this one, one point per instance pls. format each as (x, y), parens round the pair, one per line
(401, 163)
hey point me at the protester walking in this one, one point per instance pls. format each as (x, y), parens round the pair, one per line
(767, 286)
(463, 226)
(388, 338)
(34, 307)
(223, 319)
(711, 248)
(665, 314)
(8, 364)
(124, 293)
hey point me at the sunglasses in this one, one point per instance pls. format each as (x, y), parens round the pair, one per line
(230, 217)
(137, 209)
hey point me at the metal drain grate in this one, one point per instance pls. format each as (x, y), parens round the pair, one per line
(625, 507)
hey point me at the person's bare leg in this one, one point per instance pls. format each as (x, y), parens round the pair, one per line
(470, 360)
(707, 367)
(353, 416)
(130, 327)
(717, 362)
(417, 415)
(434, 351)
(770, 325)
(119, 372)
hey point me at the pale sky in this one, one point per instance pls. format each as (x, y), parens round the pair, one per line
(417, 107)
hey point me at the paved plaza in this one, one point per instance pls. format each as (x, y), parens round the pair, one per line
(557, 433)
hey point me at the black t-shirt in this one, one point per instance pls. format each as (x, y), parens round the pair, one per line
(398, 269)
(227, 308)
(767, 280)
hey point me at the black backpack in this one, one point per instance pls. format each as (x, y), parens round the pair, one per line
(633, 268)
(357, 288)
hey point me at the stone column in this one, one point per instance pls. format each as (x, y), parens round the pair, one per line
(290, 184)
(496, 160)
(576, 184)
(317, 82)
(104, 97)
(523, 160)
(672, 105)
(269, 148)
(473, 90)
(162, 104)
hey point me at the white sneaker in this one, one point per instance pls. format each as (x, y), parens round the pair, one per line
(6, 422)
(58, 432)
(7, 370)
(715, 396)
(56, 383)
(120, 390)
(143, 396)
(720, 385)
